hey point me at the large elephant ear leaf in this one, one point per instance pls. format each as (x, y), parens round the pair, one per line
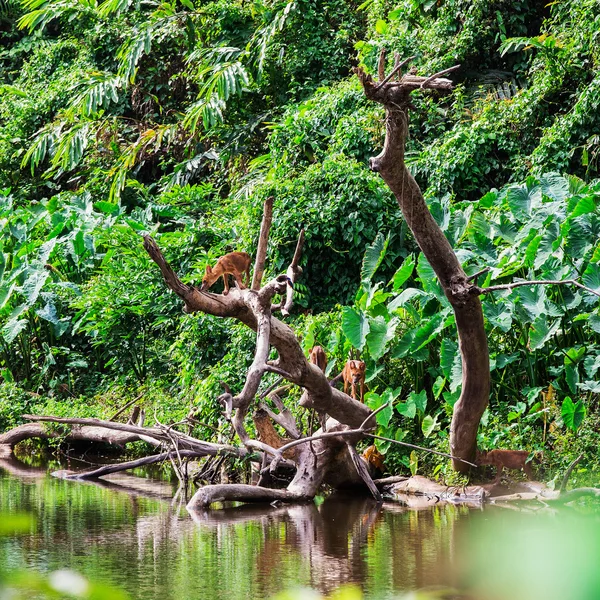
(374, 256)
(355, 327)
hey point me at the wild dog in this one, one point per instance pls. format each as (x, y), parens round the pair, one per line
(234, 263)
(353, 375)
(318, 357)
(374, 458)
(509, 459)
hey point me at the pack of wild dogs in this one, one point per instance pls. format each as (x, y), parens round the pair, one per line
(236, 264)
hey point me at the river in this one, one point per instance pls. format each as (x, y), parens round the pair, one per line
(131, 533)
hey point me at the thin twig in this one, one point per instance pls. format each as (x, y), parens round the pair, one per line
(476, 275)
(379, 437)
(124, 408)
(439, 74)
(510, 286)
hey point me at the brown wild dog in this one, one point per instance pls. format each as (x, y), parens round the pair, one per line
(509, 459)
(318, 357)
(353, 375)
(234, 263)
(374, 458)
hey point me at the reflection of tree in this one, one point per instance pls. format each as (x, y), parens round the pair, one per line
(156, 551)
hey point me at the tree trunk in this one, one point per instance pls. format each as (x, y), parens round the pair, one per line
(395, 97)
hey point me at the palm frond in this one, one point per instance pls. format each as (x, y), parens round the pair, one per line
(263, 36)
(131, 52)
(42, 12)
(97, 91)
(209, 110)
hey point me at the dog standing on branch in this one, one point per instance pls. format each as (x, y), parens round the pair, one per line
(234, 263)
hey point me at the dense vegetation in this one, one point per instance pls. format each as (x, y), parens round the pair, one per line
(181, 118)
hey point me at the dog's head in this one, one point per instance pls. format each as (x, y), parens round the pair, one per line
(357, 370)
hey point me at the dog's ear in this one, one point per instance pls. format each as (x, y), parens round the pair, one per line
(208, 269)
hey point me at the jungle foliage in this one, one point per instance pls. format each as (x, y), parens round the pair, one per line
(179, 118)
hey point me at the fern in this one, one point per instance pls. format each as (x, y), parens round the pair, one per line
(210, 111)
(9, 9)
(42, 12)
(70, 148)
(263, 36)
(131, 52)
(149, 141)
(44, 142)
(99, 90)
(225, 81)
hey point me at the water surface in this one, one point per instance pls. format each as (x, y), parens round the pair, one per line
(130, 533)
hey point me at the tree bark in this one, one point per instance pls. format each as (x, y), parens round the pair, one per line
(390, 164)
(263, 242)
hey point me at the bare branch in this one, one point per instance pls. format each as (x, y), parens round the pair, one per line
(476, 275)
(565, 480)
(438, 75)
(395, 70)
(132, 464)
(363, 471)
(381, 65)
(124, 408)
(263, 242)
(379, 437)
(510, 286)
(294, 271)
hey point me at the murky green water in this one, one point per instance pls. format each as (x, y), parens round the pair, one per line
(130, 533)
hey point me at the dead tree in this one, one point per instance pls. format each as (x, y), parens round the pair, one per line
(393, 92)
(318, 459)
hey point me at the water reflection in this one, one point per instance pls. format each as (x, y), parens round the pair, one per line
(130, 534)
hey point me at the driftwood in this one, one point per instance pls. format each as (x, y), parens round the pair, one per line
(89, 433)
(318, 461)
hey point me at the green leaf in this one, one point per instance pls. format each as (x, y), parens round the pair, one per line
(451, 363)
(572, 377)
(428, 278)
(427, 332)
(438, 386)
(404, 272)
(13, 328)
(355, 327)
(591, 277)
(572, 414)
(593, 322)
(403, 346)
(590, 386)
(555, 186)
(108, 208)
(380, 333)
(33, 285)
(519, 201)
(381, 26)
(498, 315)
(429, 425)
(420, 400)
(374, 255)
(540, 332)
(584, 206)
(407, 409)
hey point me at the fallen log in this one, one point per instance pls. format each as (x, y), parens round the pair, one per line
(11, 438)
